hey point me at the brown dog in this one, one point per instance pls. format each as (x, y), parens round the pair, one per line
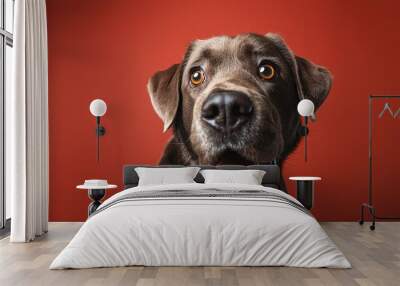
(233, 100)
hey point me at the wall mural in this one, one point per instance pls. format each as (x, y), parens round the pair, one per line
(233, 100)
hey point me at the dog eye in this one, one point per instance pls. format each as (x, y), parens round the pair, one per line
(197, 76)
(266, 71)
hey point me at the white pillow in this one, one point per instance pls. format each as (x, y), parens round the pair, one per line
(248, 177)
(162, 176)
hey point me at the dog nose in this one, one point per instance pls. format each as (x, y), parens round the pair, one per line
(227, 110)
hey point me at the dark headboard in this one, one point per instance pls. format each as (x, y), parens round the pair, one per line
(272, 177)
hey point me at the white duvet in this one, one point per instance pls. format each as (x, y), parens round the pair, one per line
(204, 231)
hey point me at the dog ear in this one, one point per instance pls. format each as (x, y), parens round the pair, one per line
(316, 80)
(164, 89)
(312, 81)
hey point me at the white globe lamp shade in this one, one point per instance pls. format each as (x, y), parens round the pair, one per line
(98, 107)
(306, 108)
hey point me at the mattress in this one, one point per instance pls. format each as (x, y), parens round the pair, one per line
(201, 225)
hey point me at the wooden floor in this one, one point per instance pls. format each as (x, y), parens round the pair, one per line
(375, 257)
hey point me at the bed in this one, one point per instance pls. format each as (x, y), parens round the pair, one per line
(199, 224)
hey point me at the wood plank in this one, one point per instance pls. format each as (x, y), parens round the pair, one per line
(375, 257)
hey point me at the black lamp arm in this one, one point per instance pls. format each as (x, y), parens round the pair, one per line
(305, 138)
(100, 130)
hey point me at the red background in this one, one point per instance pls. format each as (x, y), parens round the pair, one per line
(108, 49)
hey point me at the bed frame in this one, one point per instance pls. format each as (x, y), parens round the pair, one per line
(272, 177)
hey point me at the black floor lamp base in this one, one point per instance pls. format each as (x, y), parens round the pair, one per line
(374, 217)
(372, 213)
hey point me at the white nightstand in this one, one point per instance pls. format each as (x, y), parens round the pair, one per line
(96, 191)
(305, 190)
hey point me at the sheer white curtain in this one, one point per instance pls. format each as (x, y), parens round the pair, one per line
(27, 124)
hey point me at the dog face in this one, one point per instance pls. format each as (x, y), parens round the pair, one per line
(234, 99)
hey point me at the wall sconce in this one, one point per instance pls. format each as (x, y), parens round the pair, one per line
(98, 108)
(306, 109)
